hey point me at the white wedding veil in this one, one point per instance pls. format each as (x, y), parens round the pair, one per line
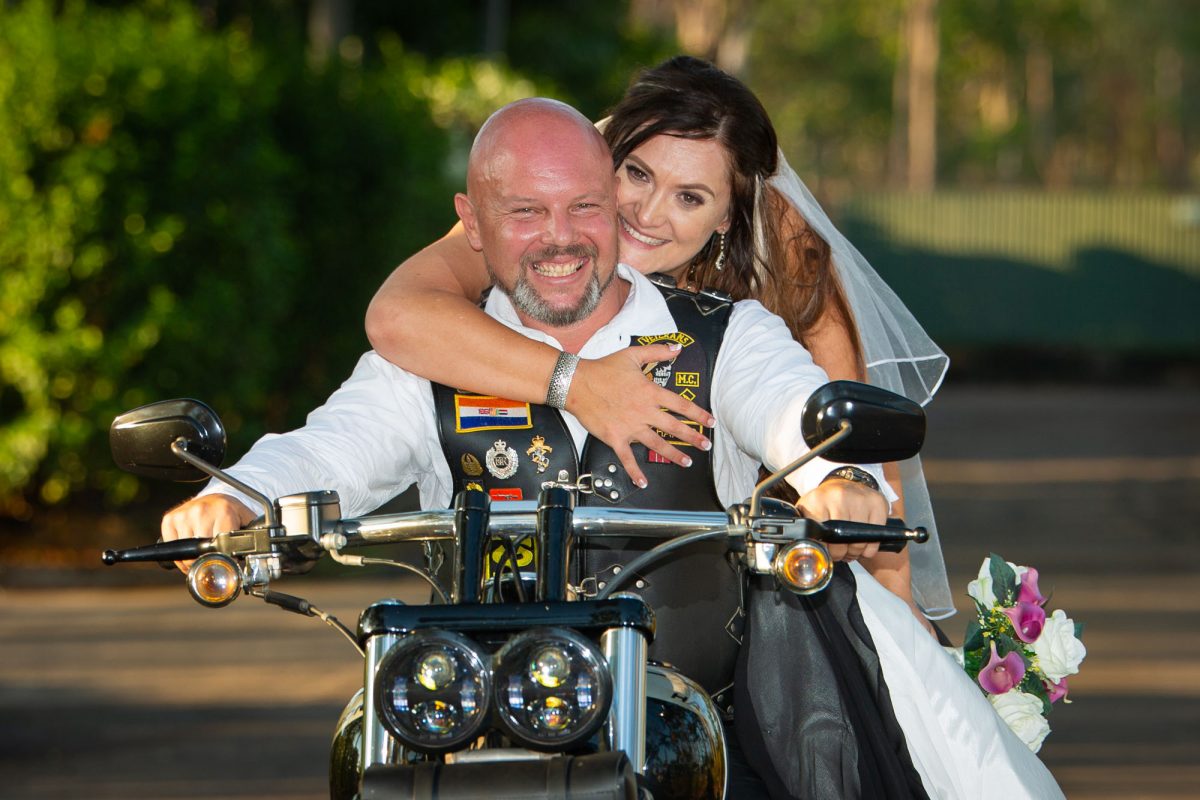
(899, 356)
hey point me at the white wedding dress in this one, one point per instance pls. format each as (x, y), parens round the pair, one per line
(958, 743)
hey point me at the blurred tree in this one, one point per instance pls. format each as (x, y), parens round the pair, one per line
(174, 210)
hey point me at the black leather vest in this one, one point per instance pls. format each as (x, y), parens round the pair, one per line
(509, 449)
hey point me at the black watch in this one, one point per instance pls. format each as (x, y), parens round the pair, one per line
(854, 474)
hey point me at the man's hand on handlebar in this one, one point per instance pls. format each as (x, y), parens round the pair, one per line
(203, 518)
(837, 498)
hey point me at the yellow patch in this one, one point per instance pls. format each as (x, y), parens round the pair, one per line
(678, 336)
(526, 554)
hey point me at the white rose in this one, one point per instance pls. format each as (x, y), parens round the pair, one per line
(1022, 712)
(980, 589)
(1058, 651)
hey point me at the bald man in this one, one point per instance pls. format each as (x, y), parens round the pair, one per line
(540, 205)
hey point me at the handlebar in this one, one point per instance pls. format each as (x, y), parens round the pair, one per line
(518, 519)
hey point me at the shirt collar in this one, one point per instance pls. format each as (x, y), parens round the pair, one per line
(644, 313)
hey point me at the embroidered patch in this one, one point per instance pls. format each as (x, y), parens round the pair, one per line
(655, 458)
(678, 336)
(479, 413)
(512, 493)
(476, 486)
(501, 460)
(691, 379)
(471, 465)
(661, 373)
(524, 550)
(688, 394)
(538, 451)
(676, 442)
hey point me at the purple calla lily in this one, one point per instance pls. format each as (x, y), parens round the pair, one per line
(1001, 674)
(1057, 691)
(1027, 619)
(1028, 592)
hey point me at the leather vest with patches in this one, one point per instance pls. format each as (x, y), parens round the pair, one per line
(509, 449)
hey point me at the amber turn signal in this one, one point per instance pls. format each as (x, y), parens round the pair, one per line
(214, 580)
(804, 566)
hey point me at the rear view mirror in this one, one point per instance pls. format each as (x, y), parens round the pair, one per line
(884, 426)
(141, 439)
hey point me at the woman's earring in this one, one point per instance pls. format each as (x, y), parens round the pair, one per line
(721, 254)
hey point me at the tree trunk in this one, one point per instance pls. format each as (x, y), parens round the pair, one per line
(922, 50)
(328, 23)
(897, 155)
(1039, 104)
(1168, 138)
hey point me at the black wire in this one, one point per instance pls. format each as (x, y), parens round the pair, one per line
(437, 587)
(630, 570)
(510, 552)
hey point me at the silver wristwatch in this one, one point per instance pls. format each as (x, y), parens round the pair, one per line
(854, 474)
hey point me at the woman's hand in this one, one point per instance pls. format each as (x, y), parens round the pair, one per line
(619, 405)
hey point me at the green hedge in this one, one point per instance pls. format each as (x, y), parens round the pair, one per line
(185, 214)
(1110, 274)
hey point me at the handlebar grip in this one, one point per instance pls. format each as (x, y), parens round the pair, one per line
(178, 550)
(891, 537)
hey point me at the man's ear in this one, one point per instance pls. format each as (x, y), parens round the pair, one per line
(466, 212)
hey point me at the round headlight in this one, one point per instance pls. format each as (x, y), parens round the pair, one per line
(214, 580)
(432, 691)
(552, 688)
(803, 566)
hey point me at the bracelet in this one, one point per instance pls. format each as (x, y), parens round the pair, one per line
(854, 474)
(560, 380)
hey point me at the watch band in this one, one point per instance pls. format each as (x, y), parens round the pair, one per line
(560, 380)
(854, 474)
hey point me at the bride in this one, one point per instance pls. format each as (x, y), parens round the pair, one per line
(705, 197)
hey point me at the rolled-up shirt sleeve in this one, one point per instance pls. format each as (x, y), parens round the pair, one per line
(763, 379)
(374, 437)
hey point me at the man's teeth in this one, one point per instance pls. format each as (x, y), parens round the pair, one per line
(557, 270)
(641, 237)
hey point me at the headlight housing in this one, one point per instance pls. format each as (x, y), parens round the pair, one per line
(434, 688)
(803, 566)
(551, 689)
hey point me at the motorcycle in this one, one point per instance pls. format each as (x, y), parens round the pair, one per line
(513, 683)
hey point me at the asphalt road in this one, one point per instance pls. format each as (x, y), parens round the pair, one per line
(138, 692)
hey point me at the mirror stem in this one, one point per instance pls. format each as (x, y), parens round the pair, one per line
(776, 477)
(179, 448)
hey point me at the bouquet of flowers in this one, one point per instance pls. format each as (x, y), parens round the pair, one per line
(1019, 655)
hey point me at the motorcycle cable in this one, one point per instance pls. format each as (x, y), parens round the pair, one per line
(303, 607)
(510, 555)
(630, 570)
(333, 542)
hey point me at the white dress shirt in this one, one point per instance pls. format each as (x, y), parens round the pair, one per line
(377, 434)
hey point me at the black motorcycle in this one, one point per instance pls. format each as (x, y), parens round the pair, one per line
(511, 683)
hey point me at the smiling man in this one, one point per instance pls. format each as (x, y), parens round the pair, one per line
(540, 205)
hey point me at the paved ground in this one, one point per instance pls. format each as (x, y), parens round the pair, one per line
(138, 692)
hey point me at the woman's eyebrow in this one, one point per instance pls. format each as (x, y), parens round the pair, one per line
(691, 187)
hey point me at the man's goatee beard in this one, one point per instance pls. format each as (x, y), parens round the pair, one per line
(527, 300)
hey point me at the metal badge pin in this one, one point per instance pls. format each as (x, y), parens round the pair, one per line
(501, 460)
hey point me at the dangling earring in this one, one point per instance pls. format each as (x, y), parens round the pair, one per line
(721, 254)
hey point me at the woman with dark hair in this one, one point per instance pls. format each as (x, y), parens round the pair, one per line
(839, 695)
(705, 197)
